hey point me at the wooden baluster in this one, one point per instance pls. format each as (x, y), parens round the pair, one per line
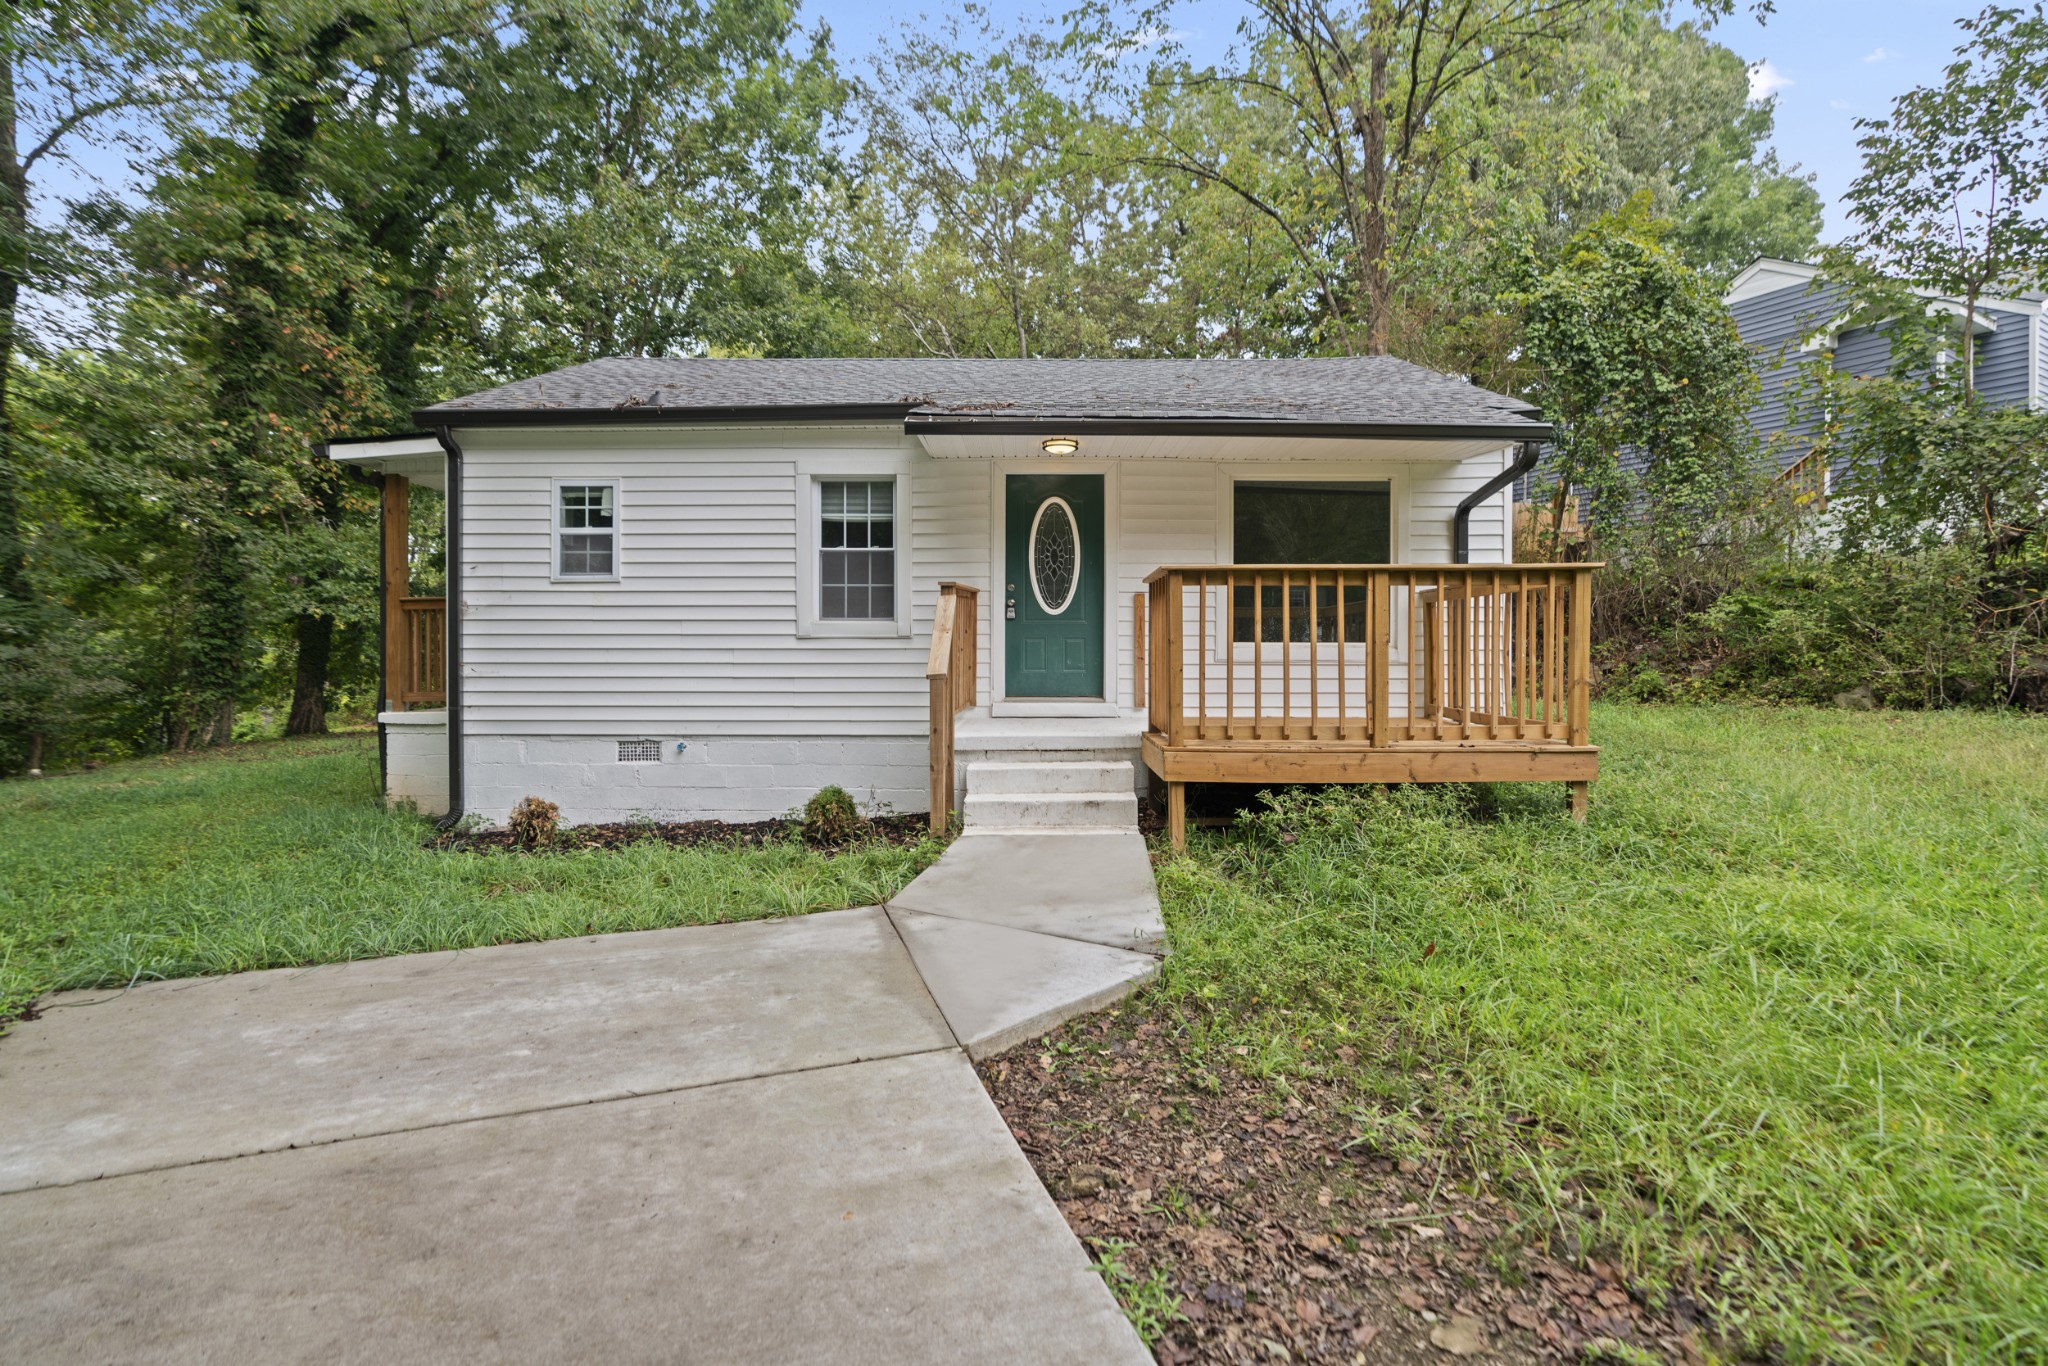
(1496, 658)
(1286, 656)
(1381, 670)
(1258, 655)
(1139, 625)
(1581, 656)
(1315, 681)
(1557, 658)
(1522, 655)
(1343, 727)
(1176, 702)
(1230, 655)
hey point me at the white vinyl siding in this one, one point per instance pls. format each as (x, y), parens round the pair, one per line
(706, 633)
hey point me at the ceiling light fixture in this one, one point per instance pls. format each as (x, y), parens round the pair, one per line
(1059, 445)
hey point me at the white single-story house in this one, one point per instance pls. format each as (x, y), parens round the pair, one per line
(706, 588)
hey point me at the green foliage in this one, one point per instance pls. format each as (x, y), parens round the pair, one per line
(831, 818)
(278, 854)
(1635, 351)
(1775, 1008)
(1150, 1301)
(1903, 625)
(1951, 197)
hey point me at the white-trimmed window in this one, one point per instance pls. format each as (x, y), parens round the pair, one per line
(856, 549)
(586, 529)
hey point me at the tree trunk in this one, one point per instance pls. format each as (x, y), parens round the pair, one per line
(315, 635)
(1373, 267)
(13, 252)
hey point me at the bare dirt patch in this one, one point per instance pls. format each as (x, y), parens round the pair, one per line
(1285, 1231)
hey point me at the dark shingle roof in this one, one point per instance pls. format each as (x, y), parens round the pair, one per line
(1376, 393)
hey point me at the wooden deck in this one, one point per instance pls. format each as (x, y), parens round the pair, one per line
(1367, 674)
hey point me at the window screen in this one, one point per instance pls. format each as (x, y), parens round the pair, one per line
(587, 534)
(1306, 522)
(857, 550)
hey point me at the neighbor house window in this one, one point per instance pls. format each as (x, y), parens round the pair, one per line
(1306, 522)
(856, 550)
(587, 531)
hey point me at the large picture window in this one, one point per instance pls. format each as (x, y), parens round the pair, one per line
(586, 531)
(856, 549)
(1306, 522)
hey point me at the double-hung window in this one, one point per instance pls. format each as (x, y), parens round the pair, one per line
(856, 550)
(587, 531)
(1306, 522)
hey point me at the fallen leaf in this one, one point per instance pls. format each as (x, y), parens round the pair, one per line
(1523, 1315)
(1461, 1336)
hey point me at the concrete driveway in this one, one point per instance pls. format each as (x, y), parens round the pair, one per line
(761, 1142)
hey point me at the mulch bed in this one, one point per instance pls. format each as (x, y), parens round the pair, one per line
(1287, 1236)
(896, 830)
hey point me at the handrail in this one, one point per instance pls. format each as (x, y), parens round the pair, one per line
(1370, 656)
(421, 669)
(951, 676)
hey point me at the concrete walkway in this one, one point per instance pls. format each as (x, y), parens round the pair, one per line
(760, 1142)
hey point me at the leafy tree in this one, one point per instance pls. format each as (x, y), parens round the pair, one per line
(1636, 354)
(676, 201)
(994, 216)
(67, 72)
(1953, 197)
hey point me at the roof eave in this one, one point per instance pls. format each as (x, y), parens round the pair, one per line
(960, 424)
(953, 424)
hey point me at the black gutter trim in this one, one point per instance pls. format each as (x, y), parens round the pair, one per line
(954, 424)
(1230, 426)
(445, 418)
(451, 624)
(326, 448)
(1461, 520)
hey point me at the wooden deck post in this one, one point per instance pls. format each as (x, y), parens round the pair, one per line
(1578, 799)
(395, 576)
(1138, 632)
(1177, 815)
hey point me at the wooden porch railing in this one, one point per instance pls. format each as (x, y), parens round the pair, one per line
(420, 672)
(950, 672)
(1370, 655)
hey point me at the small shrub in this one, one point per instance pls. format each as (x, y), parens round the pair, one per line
(533, 822)
(831, 817)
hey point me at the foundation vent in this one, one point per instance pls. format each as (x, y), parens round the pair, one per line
(639, 751)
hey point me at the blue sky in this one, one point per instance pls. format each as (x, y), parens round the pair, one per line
(1827, 62)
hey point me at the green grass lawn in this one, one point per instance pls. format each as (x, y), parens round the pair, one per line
(1778, 1012)
(275, 854)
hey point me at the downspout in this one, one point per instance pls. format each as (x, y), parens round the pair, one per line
(1461, 520)
(452, 624)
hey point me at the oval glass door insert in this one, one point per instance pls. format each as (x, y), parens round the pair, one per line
(1055, 556)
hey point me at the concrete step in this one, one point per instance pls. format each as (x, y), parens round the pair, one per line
(1051, 810)
(998, 778)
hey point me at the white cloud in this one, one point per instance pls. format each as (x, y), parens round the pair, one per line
(1765, 80)
(1147, 37)
(1880, 54)
(1840, 106)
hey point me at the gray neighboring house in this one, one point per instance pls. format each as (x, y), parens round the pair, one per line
(1790, 322)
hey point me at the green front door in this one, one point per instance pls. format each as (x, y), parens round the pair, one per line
(1052, 598)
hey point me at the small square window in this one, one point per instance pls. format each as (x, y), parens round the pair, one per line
(586, 531)
(857, 550)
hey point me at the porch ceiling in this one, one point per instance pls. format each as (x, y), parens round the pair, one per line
(418, 458)
(1212, 446)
